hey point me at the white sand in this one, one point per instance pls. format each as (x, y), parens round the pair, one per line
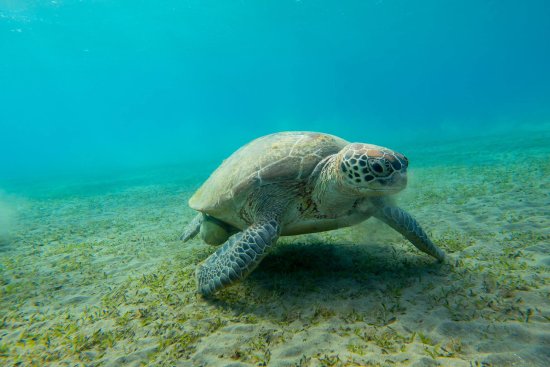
(101, 279)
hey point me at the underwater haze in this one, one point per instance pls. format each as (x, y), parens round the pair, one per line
(113, 113)
(88, 85)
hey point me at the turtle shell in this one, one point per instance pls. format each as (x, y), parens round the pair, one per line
(271, 159)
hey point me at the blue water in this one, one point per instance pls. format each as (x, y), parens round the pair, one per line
(92, 86)
(113, 112)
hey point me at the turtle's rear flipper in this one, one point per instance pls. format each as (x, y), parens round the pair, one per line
(192, 228)
(405, 224)
(238, 256)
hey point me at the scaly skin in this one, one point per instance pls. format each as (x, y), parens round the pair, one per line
(237, 257)
(405, 224)
(192, 228)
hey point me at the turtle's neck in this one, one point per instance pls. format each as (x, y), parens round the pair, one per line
(329, 193)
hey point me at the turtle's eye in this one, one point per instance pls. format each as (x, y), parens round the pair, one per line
(380, 167)
(377, 167)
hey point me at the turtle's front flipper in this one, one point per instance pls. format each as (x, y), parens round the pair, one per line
(238, 256)
(405, 224)
(192, 228)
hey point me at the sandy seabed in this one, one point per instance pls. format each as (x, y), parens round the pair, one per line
(94, 275)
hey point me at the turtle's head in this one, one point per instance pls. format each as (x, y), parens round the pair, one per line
(372, 170)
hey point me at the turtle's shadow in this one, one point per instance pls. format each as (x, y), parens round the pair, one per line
(304, 272)
(335, 262)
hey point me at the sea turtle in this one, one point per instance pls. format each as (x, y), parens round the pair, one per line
(291, 183)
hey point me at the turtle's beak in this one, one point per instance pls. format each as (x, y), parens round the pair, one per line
(398, 161)
(400, 179)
